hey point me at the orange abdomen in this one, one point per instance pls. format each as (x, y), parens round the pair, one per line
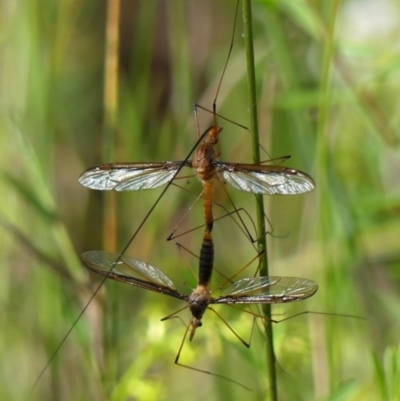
(208, 194)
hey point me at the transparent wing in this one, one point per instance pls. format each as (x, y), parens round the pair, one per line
(129, 176)
(267, 180)
(268, 290)
(130, 271)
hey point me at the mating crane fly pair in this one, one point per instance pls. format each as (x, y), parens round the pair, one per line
(251, 178)
(254, 178)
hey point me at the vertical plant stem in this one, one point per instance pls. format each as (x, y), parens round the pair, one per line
(262, 242)
(110, 117)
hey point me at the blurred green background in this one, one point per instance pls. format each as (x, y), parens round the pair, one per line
(328, 78)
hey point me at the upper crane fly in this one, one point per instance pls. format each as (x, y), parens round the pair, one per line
(254, 178)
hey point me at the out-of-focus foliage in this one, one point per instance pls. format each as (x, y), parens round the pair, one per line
(328, 83)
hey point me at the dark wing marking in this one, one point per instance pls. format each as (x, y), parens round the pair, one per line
(131, 271)
(268, 290)
(129, 176)
(267, 180)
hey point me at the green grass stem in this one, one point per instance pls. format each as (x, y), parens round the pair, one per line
(262, 241)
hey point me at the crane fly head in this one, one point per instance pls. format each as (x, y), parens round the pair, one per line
(198, 303)
(195, 323)
(212, 137)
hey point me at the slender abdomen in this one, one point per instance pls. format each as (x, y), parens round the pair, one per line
(208, 194)
(206, 262)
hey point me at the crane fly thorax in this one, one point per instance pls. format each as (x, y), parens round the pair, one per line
(202, 161)
(199, 299)
(205, 155)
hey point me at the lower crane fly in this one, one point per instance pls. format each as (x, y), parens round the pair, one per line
(250, 290)
(253, 290)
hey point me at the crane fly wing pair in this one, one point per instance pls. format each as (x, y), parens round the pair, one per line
(246, 291)
(131, 271)
(255, 178)
(269, 290)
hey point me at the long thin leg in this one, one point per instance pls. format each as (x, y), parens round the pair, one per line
(201, 370)
(172, 315)
(184, 216)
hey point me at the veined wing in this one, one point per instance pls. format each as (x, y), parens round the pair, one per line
(129, 176)
(131, 271)
(266, 179)
(268, 290)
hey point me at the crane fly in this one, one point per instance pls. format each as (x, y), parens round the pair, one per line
(254, 290)
(253, 178)
(251, 290)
